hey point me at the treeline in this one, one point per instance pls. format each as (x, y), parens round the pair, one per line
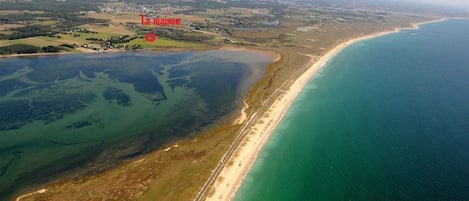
(29, 49)
(114, 39)
(29, 31)
(18, 17)
(122, 39)
(69, 21)
(66, 12)
(19, 49)
(40, 30)
(52, 6)
(65, 19)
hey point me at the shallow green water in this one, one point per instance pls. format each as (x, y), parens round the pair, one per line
(62, 112)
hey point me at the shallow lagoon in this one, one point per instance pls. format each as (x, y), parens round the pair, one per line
(61, 112)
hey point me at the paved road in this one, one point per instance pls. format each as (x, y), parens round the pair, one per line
(251, 120)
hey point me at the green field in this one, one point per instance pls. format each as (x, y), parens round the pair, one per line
(7, 12)
(161, 42)
(39, 41)
(46, 22)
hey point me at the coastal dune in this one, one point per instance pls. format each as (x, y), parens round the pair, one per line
(236, 168)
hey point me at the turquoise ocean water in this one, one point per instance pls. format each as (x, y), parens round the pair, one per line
(385, 119)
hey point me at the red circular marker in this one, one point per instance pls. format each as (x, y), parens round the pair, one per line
(150, 37)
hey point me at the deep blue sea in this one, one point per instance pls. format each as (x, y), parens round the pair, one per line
(385, 119)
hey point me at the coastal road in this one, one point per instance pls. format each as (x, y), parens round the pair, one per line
(244, 130)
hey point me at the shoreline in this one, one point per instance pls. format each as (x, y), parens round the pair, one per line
(19, 198)
(232, 175)
(271, 53)
(40, 54)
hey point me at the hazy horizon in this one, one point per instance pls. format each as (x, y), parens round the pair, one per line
(451, 3)
(447, 2)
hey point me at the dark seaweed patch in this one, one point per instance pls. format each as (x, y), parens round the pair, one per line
(143, 82)
(112, 93)
(177, 82)
(178, 72)
(89, 121)
(80, 124)
(15, 114)
(51, 73)
(7, 86)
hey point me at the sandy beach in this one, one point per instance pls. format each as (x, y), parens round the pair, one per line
(19, 198)
(236, 168)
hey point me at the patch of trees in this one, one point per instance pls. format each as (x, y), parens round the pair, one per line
(132, 47)
(53, 6)
(41, 30)
(29, 49)
(19, 49)
(72, 20)
(18, 17)
(67, 12)
(51, 48)
(122, 39)
(68, 45)
(29, 31)
(114, 39)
